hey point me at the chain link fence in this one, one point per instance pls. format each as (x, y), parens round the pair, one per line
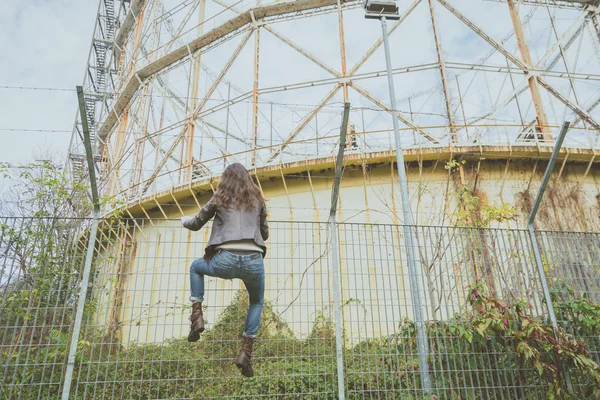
(487, 321)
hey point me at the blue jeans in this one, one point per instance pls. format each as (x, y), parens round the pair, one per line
(249, 268)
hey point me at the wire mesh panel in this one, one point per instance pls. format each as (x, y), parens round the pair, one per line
(572, 262)
(479, 291)
(135, 342)
(40, 264)
(463, 274)
(380, 358)
(493, 274)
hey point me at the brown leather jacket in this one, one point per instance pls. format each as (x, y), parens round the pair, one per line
(230, 224)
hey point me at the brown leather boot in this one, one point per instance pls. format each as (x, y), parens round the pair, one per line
(244, 360)
(197, 322)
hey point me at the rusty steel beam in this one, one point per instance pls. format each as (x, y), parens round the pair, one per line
(589, 109)
(595, 23)
(519, 63)
(542, 67)
(175, 34)
(227, 28)
(593, 17)
(399, 115)
(563, 54)
(579, 4)
(196, 68)
(444, 76)
(304, 122)
(482, 34)
(342, 48)
(162, 162)
(228, 6)
(221, 75)
(255, 90)
(140, 143)
(178, 103)
(534, 85)
(573, 107)
(302, 51)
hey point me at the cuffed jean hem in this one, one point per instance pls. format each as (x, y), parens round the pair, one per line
(195, 299)
(249, 336)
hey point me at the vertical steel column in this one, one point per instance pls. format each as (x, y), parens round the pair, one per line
(415, 284)
(271, 129)
(534, 85)
(317, 131)
(342, 48)
(444, 75)
(335, 258)
(225, 161)
(90, 249)
(196, 63)
(535, 244)
(531, 219)
(255, 88)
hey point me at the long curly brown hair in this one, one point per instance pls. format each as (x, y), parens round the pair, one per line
(237, 189)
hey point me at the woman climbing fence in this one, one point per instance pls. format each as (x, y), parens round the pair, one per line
(235, 250)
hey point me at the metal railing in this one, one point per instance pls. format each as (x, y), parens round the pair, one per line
(133, 326)
(313, 149)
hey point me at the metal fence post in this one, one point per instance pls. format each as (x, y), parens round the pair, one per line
(531, 219)
(415, 284)
(335, 257)
(533, 237)
(89, 253)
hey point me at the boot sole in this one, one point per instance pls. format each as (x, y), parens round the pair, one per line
(195, 336)
(245, 372)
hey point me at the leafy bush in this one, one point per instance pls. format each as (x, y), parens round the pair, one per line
(524, 355)
(496, 351)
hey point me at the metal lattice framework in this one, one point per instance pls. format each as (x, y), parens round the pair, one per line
(175, 90)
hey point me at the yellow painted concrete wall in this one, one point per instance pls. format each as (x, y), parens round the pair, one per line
(154, 278)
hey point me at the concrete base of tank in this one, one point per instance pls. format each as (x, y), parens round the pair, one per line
(153, 268)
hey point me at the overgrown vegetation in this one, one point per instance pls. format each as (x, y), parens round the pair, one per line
(473, 211)
(524, 349)
(476, 213)
(36, 231)
(491, 350)
(42, 251)
(496, 350)
(39, 265)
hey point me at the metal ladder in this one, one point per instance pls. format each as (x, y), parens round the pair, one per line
(102, 45)
(78, 164)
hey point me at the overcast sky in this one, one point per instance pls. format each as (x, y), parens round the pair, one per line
(43, 43)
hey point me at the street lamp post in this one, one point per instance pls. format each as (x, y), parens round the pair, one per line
(384, 10)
